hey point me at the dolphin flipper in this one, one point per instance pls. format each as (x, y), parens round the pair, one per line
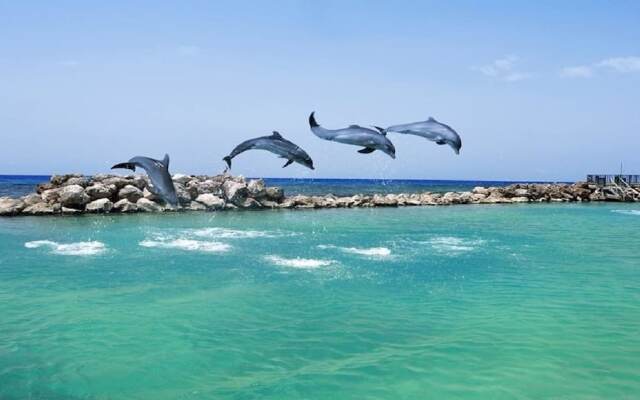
(441, 142)
(366, 150)
(289, 162)
(125, 165)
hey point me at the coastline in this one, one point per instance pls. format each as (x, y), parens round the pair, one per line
(74, 194)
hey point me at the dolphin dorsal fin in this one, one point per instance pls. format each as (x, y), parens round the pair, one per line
(354, 126)
(431, 119)
(165, 161)
(276, 135)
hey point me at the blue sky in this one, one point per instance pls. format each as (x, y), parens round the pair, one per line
(537, 90)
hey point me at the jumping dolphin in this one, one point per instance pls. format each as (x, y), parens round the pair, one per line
(432, 130)
(356, 135)
(276, 144)
(158, 172)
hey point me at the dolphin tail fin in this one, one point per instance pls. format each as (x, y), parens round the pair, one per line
(125, 165)
(312, 120)
(381, 130)
(227, 159)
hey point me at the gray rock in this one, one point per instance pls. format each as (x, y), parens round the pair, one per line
(99, 206)
(147, 205)
(73, 196)
(70, 211)
(184, 197)
(181, 178)
(100, 191)
(210, 201)
(131, 193)
(31, 199)
(256, 188)
(77, 180)
(251, 204)
(9, 206)
(480, 190)
(274, 194)
(118, 181)
(125, 206)
(147, 194)
(43, 209)
(50, 196)
(235, 192)
(195, 206)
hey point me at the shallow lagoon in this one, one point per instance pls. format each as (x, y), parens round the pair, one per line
(524, 301)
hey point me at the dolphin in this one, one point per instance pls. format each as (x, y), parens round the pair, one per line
(356, 135)
(276, 144)
(158, 172)
(432, 130)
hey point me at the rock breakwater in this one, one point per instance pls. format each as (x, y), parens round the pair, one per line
(76, 194)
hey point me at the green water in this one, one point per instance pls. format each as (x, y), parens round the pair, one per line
(479, 302)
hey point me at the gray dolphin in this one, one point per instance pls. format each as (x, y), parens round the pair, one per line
(276, 144)
(432, 130)
(356, 135)
(158, 172)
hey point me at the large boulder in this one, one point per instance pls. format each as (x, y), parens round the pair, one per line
(118, 181)
(235, 192)
(256, 188)
(210, 201)
(195, 206)
(73, 196)
(99, 206)
(100, 191)
(181, 178)
(42, 209)
(274, 194)
(131, 193)
(31, 199)
(77, 180)
(147, 205)
(9, 206)
(251, 204)
(50, 196)
(184, 196)
(125, 206)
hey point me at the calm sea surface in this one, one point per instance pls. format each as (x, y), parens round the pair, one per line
(19, 185)
(467, 302)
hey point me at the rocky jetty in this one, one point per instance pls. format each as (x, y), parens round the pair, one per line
(77, 194)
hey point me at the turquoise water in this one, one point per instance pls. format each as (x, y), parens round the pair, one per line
(479, 302)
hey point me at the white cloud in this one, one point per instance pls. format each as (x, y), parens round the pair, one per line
(621, 64)
(617, 64)
(580, 71)
(503, 69)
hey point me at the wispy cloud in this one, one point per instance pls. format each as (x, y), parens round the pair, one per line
(503, 69)
(581, 71)
(616, 64)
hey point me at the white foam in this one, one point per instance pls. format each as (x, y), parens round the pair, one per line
(188, 245)
(369, 252)
(69, 249)
(627, 212)
(225, 233)
(305, 263)
(451, 244)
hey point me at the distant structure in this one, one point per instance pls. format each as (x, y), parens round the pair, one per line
(614, 180)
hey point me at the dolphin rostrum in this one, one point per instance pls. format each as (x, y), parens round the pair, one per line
(158, 172)
(356, 135)
(432, 130)
(276, 144)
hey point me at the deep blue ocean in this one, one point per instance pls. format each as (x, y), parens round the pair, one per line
(19, 185)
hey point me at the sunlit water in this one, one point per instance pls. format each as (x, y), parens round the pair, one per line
(481, 302)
